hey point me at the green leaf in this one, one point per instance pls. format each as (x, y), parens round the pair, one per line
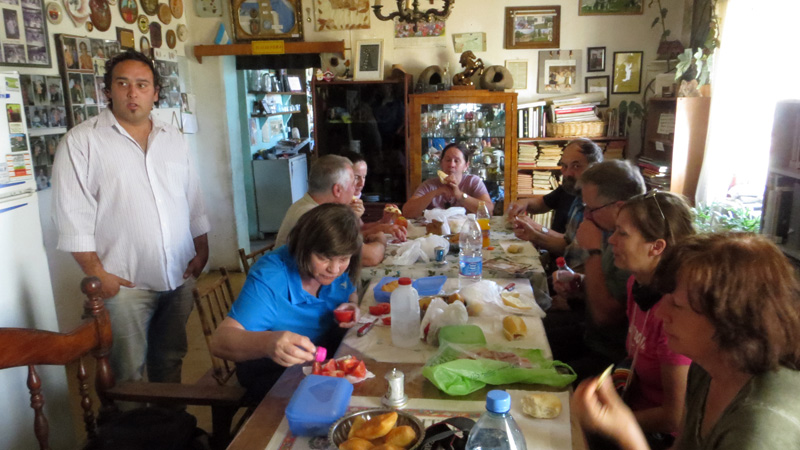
(663, 12)
(699, 54)
(684, 63)
(655, 22)
(666, 33)
(635, 110)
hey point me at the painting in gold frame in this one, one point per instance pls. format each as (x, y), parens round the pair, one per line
(267, 19)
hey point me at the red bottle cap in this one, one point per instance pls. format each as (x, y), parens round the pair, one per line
(321, 354)
(405, 281)
(560, 262)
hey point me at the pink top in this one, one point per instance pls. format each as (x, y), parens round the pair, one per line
(647, 330)
(471, 184)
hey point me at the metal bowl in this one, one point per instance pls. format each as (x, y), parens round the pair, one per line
(339, 430)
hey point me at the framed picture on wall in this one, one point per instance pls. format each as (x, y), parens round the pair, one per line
(253, 20)
(533, 27)
(369, 60)
(627, 72)
(598, 84)
(596, 59)
(609, 7)
(24, 34)
(559, 71)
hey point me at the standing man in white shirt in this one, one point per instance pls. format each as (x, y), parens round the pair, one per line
(129, 208)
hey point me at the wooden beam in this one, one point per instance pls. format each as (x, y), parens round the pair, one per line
(246, 49)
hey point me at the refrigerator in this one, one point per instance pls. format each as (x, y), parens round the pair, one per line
(27, 295)
(278, 183)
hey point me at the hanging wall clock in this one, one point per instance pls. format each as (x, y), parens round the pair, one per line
(129, 10)
(150, 7)
(101, 14)
(77, 10)
(144, 23)
(164, 14)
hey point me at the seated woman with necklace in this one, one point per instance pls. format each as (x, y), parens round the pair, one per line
(733, 307)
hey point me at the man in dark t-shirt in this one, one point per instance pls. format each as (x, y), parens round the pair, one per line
(559, 201)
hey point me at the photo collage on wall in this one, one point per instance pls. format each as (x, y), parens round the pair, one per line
(24, 34)
(170, 84)
(82, 64)
(46, 116)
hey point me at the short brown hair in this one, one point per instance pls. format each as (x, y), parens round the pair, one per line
(329, 230)
(661, 215)
(747, 289)
(617, 180)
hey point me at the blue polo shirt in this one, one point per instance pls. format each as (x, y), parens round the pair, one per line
(273, 299)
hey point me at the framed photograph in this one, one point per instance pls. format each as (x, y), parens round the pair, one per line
(369, 60)
(627, 72)
(24, 34)
(559, 71)
(596, 59)
(254, 20)
(598, 84)
(533, 27)
(294, 84)
(341, 16)
(609, 7)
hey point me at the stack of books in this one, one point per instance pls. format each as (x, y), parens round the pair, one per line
(656, 173)
(525, 183)
(614, 150)
(543, 182)
(528, 154)
(531, 120)
(549, 155)
(582, 112)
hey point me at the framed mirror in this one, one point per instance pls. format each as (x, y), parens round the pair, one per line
(267, 19)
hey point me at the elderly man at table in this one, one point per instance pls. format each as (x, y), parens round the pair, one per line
(604, 189)
(578, 155)
(384, 225)
(332, 181)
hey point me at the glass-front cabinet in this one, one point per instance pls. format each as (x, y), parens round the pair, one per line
(484, 121)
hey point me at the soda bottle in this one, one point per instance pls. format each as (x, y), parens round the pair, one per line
(563, 273)
(470, 257)
(483, 217)
(405, 314)
(496, 429)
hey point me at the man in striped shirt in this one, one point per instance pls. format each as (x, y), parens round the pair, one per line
(129, 208)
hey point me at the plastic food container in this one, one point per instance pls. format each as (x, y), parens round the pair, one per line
(317, 404)
(424, 286)
(461, 335)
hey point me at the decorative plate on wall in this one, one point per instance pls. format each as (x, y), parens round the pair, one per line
(155, 35)
(183, 32)
(171, 40)
(129, 10)
(144, 23)
(150, 7)
(77, 10)
(164, 14)
(144, 45)
(176, 6)
(101, 14)
(54, 13)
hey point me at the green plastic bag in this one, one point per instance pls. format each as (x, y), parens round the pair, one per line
(459, 370)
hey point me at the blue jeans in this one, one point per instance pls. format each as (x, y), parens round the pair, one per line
(149, 330)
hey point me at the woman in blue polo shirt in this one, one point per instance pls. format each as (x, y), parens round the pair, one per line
(286, 306)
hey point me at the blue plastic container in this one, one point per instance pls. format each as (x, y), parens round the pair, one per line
(317, 403)
(424, 286)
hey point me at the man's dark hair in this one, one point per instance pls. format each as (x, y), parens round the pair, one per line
(354, 157)
(592, 151)
(130, 55)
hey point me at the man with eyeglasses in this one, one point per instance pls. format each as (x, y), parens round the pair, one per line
(578, 155)
(604, 189)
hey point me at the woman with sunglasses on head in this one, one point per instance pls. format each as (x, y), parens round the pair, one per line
(734, 308)
(647, 226)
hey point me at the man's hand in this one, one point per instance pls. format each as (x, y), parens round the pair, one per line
(527, 229)
(287, 348)
(518, 208)
(397, 231)
(357, 205)
(196, 264)
(589, 235)
(110, 284)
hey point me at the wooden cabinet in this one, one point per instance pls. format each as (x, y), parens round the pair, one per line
(675, 137)
(367, 117)
(780, 216)
(486, 122)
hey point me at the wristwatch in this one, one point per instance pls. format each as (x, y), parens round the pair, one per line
(464, 195)
(594, 251)
(544, 230)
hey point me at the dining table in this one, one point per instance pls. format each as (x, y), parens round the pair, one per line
(267, 426)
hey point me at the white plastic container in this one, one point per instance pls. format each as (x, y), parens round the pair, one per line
(405, 314)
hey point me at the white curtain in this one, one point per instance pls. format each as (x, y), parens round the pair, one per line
(757, 64)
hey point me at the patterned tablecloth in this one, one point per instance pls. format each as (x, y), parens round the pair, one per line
(497, 263)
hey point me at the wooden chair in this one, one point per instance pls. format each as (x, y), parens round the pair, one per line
(248, 259)
(31, 347)
(213, 304)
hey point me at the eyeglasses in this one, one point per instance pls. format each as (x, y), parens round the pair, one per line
(594, 210)
(653, 194)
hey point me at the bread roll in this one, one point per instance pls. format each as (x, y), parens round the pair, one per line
(442, 175)
(514, 328)
(356, 444)
(434, 227)
(512, 299)
(474, 308)
(515, 248)
(378, 426)
(387, 447)
(358, 422)
(402, 436)
(541, 405)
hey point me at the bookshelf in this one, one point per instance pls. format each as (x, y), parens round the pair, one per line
(675, 140)
(780, 217)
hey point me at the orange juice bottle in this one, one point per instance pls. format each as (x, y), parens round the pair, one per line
(483, 217)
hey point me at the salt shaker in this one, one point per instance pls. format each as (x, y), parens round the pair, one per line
(395, 396)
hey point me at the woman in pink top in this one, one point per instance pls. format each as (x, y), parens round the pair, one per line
(646, 227)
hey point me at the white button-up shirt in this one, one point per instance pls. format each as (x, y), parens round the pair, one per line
(138, 211)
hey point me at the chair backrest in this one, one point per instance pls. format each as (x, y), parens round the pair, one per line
(213, 303)
(31, 347)
(248, 259)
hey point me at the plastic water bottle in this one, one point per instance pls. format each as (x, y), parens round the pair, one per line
(405, 314)
(496, 429)
(470, 257)
(484, 217)
(563, 273)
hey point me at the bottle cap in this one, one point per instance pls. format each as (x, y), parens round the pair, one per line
(498, 401)
(405, 281)
(560, 262)
(321, 354)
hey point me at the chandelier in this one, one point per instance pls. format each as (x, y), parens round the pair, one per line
(413, 15)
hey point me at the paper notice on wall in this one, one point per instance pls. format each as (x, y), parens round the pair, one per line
(666, 123)
(659, 146)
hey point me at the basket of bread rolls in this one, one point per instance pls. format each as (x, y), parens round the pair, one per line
(378, 429)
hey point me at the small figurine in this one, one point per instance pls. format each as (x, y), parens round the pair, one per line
(472, 65)
(318, 75)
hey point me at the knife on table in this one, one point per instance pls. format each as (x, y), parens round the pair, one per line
(365, 329)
